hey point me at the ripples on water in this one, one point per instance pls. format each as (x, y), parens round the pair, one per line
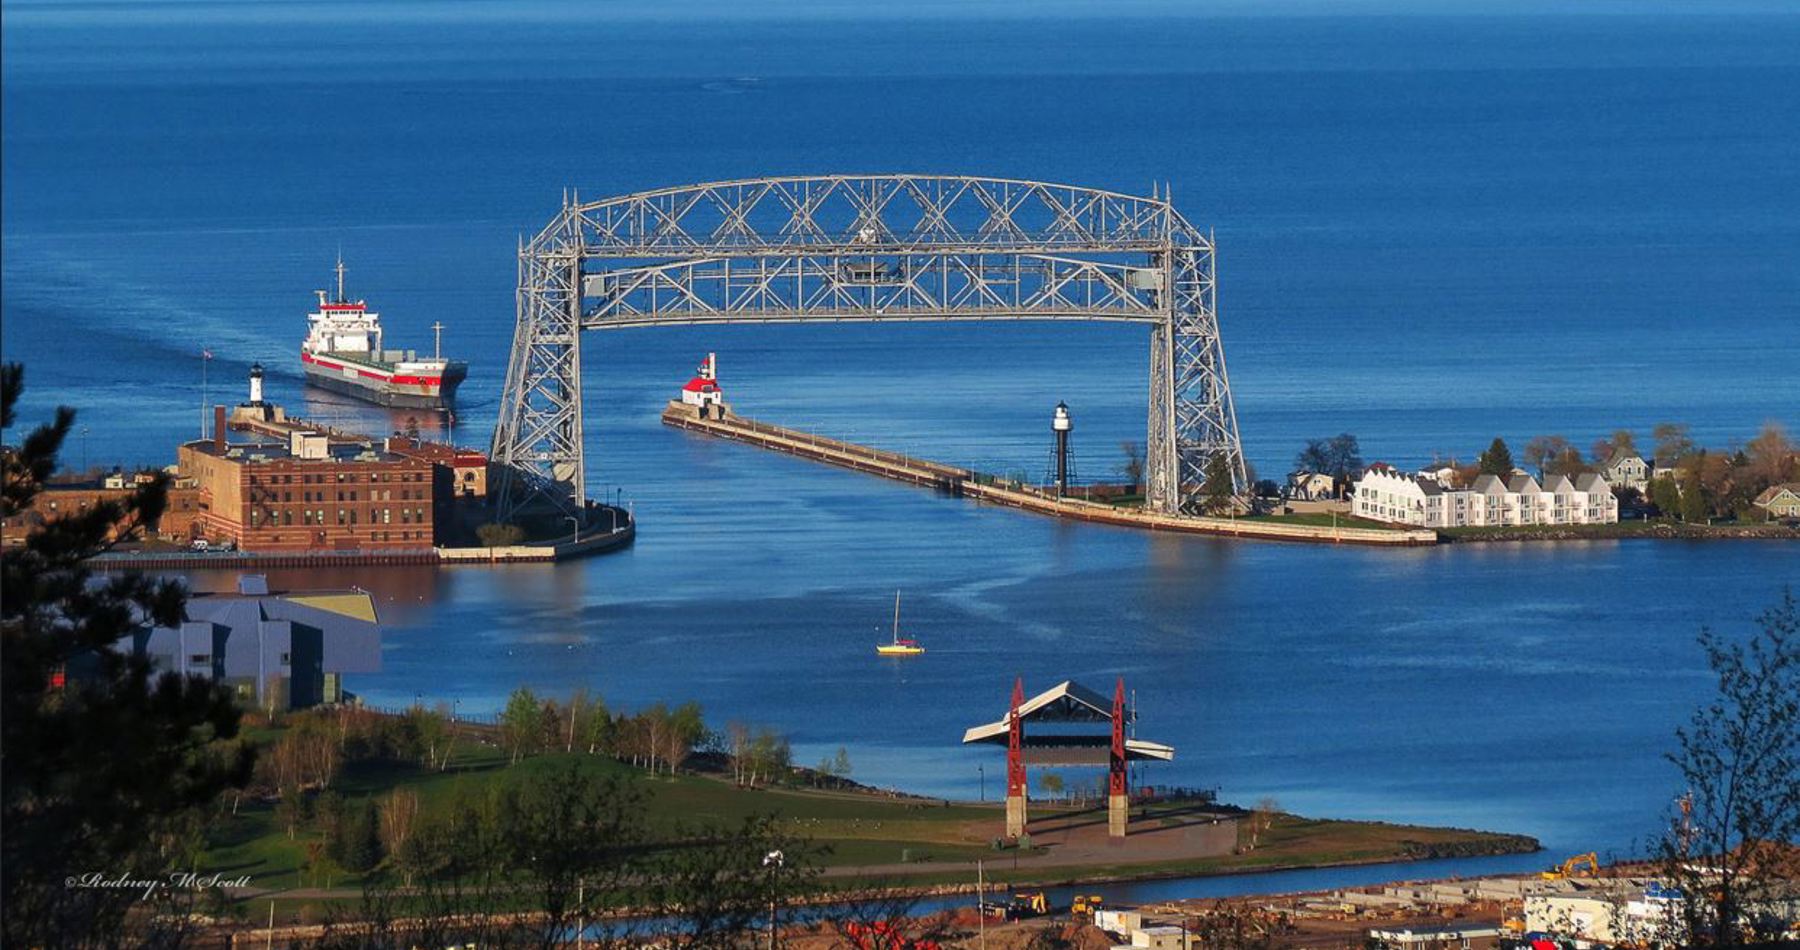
(1432, 231)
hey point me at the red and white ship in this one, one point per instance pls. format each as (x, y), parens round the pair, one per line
(343, 353)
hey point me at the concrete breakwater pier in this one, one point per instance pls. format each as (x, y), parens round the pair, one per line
(961, 482)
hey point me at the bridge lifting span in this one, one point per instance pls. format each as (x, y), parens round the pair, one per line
(866, 248)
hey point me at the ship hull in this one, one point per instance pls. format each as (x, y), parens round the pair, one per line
(381, 389)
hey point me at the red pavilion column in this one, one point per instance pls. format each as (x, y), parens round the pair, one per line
(1118, 794)
(1015, 764)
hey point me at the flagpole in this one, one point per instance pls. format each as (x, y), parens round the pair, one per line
(205, 357)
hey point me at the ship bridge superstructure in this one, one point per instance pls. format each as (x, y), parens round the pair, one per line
(867, 248)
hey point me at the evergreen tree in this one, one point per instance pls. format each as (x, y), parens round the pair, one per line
(1666, 496)
(1216, 493)
(1694, 500)
(1497, 460)
(108, 765)
(358, 846)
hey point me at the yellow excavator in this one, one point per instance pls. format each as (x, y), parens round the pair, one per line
(1086, 904)
(1568, 868)
(1021, 907)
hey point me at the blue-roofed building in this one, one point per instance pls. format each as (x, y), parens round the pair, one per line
(278, 650)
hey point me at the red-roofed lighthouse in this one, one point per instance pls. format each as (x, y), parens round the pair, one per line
(703, 390)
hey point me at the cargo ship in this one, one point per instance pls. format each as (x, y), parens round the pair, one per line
(343, 352)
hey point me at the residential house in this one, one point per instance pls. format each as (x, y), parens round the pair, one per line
(1626, 470)
(1599, 504)
(1311, 486)
(1780, 501)
(1386, 495)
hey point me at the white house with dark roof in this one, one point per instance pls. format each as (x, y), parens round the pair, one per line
(1383, 494)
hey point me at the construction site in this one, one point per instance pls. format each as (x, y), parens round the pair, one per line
(1577, 904)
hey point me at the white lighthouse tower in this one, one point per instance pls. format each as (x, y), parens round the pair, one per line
(1061, 425)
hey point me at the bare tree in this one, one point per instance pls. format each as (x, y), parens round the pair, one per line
(399, 814)
(1262, 817)
(737, 744)
(1739, 755)
(1134, 464)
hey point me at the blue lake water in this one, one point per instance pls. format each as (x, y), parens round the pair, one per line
(1432, 231)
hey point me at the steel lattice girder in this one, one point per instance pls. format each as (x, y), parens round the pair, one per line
(865, 248)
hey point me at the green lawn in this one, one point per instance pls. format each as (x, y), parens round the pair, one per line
(1324, 520)
(857, 829)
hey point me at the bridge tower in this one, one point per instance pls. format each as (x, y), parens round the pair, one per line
(876, 248)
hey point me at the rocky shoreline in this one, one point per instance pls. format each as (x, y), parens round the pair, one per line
(1624, 531)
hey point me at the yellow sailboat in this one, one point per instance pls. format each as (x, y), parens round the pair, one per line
(898, 647)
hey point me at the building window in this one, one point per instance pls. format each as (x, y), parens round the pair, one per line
(200, 658)
(284, 660)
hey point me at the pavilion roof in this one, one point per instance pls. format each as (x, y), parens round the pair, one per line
(1067, 702)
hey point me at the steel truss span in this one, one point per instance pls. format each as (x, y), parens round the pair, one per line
(866, 248)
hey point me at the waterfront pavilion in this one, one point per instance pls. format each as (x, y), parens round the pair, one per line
(1075, 714)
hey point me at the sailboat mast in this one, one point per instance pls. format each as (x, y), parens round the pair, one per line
(896, 616)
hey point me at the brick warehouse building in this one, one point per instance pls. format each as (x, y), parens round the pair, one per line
(180, 520)
(311, 494)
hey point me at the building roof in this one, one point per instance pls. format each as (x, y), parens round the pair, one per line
(1068, 702)
(1773, 492)
(1522, 484)
(262, 453)
(1620, 457)
(701, 384)
(1427, 485)
(234, 625)
(1591, 481)
(440, 453)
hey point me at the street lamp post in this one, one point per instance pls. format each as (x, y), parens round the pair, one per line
(775, 860)
(571, 519)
